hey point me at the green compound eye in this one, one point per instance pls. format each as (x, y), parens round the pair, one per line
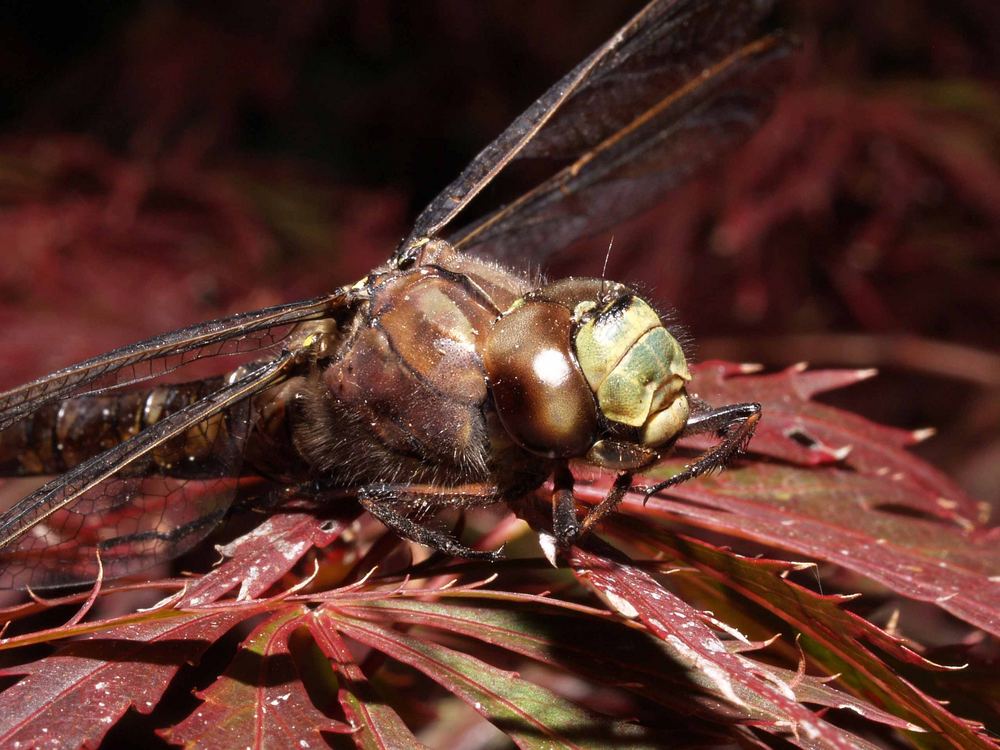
(636, 369)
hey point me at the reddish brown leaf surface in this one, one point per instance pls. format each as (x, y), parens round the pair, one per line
(818, 691)
(826, 514)
(634, 594)
(72, 698)
(376, 725)
(925, 560)
(837, 639)
(603, 649)
(798, 429)
(860, 516)
(260, 700)
(586, 642)
(532, 716)
(258, 559)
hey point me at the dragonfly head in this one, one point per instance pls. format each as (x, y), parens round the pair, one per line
(585, 368)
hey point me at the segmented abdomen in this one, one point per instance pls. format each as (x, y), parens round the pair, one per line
(61, 435)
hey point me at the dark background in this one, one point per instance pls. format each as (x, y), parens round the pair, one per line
(167, 162)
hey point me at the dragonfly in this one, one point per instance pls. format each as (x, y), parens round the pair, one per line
(445, 378)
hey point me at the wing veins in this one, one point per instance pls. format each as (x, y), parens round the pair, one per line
(25, 399)
(69, 486)
(572, 178)
(460, 192)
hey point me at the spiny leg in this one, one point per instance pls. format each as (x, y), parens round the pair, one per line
(720, 419)
(622, 484)
(564, 524)
(567, 529)
(390, 502)
(736, 422)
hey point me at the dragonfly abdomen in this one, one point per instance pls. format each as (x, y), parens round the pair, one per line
(60, 436)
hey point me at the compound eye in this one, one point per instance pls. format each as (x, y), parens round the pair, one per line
(636, 368)
(541, 396)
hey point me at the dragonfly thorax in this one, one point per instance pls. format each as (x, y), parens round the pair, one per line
(585, 368)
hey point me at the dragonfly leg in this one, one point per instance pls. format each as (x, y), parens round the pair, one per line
(621, 485)
(391, 504)
(735, 423)
(565, 526)
(721, 419)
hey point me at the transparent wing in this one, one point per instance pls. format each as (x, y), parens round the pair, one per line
(242, 333)
(133, 522)
(632, 169)
(661, 49)
(108, 505)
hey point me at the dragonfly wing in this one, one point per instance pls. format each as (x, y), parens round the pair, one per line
(108, 506)
(243, 333)
(661, 49)
(631, 169)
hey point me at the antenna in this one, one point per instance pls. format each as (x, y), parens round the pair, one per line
(607, 256)
(604, 271)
